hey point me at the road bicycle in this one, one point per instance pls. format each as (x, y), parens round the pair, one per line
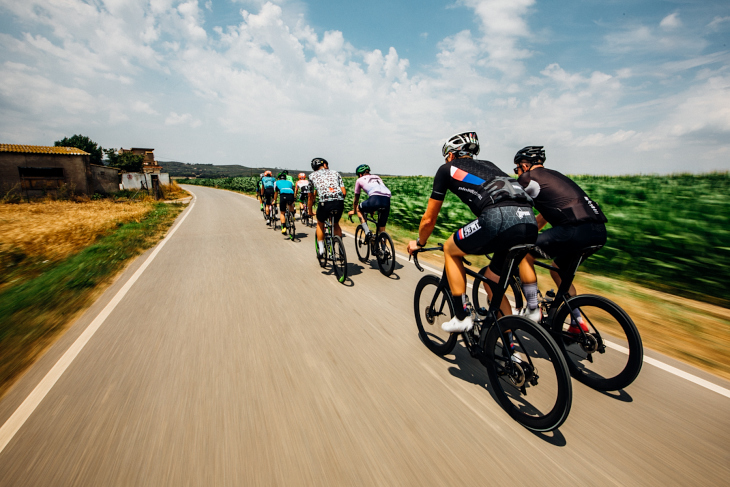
(604, 363)
(289, 218)
(274, 215)
(526, 369)
(381, 246)
(334, 249)
(305, 217)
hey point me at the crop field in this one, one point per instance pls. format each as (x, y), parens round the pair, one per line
(670, 233)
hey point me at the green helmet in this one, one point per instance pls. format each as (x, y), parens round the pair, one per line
(361, 169)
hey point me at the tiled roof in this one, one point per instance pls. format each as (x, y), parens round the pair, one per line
(42, 149)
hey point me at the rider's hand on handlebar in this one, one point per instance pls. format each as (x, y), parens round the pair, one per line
(411, 247)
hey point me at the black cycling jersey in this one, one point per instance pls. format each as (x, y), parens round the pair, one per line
(471, 180)
(558, 199)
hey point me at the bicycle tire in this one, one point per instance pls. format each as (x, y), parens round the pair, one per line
(361, 247)
(480, 300)
(339, 258)
(386, 254)
(550, 397)
(292, 226)
(608, 369)
(429, 318)
(322, 259)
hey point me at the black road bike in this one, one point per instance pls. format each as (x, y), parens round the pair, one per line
(604, 363)
(305, 217)
(380, 246)
(526, 370)
(289, 218)
(334, 249)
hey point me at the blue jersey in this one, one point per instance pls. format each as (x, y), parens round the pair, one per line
(284, 186)
(268, 182)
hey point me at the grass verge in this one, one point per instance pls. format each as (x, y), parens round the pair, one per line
(34, 311)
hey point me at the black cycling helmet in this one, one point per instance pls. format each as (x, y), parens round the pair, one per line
(532, 154)
(361, 169)
(318, 162)
(464, 144)
(281, 175)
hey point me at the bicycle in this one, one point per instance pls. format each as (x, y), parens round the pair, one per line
(289, 218)
(615, 370)
(274, 215)
(381, 246)
(534, 364)
(334, 249)
(305, 217)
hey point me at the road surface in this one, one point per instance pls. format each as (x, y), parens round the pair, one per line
(234, 359)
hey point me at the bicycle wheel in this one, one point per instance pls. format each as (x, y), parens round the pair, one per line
(385, 254)
(292, 226)
(361, 247)
(433, 307)
(513, 293)
(534, 385)
(605, 363)
(322, 259)
(339, 258)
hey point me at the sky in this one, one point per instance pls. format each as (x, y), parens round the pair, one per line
(607, 86)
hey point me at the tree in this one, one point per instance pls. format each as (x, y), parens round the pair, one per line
(85, 144)
(126, 161)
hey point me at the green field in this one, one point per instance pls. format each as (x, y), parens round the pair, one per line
(670, 233)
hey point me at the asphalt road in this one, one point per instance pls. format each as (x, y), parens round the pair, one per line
(234, 359)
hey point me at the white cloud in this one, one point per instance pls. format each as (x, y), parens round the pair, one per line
(184, 119)
(717, 22)
(670, 22)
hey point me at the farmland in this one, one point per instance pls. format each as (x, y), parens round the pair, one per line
(670, 233)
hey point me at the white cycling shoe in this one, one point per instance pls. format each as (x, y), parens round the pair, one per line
(533, 314)
(458, 326)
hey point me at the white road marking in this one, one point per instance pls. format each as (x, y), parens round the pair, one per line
(19, 417)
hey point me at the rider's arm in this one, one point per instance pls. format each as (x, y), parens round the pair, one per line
(354, 201)
(428, 222)
(310, 201)
(541, 221)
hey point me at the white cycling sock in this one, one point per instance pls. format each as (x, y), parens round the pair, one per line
(530, 291)
(576, 314)
(320, 244)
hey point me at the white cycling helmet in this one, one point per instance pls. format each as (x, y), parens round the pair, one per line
(464, 144)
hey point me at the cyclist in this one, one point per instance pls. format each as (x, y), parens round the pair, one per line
(260, 191)
(301, 193)
(378, 199)
(285, 194)
(504, 219)
(267, 184)
(577, 222)
(330, 190)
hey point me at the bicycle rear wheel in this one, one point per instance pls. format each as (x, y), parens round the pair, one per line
(513, 293)
(534, 388)
(339, 258)
(361, 247)
(292, 225)
(605, 363)
(433, 307)
(385, 254)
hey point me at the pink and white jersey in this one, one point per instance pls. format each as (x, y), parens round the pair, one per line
(372, 185)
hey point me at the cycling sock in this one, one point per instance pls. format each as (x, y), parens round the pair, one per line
(461, 310)
(576, 314)
(320, 244)
(365, 227)
(511, 343)
(530, 291)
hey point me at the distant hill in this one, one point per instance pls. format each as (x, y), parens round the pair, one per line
(210, 171)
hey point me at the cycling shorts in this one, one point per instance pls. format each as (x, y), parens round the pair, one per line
(303, 198)
(268, 195)
(381, 204)
(562, 243)
(284, 200)
(496, 231)
(324, 210)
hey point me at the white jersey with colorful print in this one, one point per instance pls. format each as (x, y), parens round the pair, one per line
(372, 185)
(328, 184)
(304, 186)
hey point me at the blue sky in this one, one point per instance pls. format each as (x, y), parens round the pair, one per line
(608, 87)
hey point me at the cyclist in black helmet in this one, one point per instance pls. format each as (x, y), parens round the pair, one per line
(504, 219)
(577, 222)
(330, 191)
(378, 199)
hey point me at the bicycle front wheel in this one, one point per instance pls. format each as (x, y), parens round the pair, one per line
(361, 247)
(322, 259)
(433, 307)
(513, 293)
(386, 254)
(339, 258)
(605, 362)
(531, 382)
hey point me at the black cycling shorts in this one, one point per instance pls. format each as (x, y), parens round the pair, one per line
(496, 231)
(268, 195)
(381, 204)
(284, 200)
(563, 242)
(324, 210)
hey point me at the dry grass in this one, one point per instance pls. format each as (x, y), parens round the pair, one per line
(173, 191)
(56, 229)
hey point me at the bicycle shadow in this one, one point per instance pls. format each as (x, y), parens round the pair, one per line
(466, 368)
(374, 266)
